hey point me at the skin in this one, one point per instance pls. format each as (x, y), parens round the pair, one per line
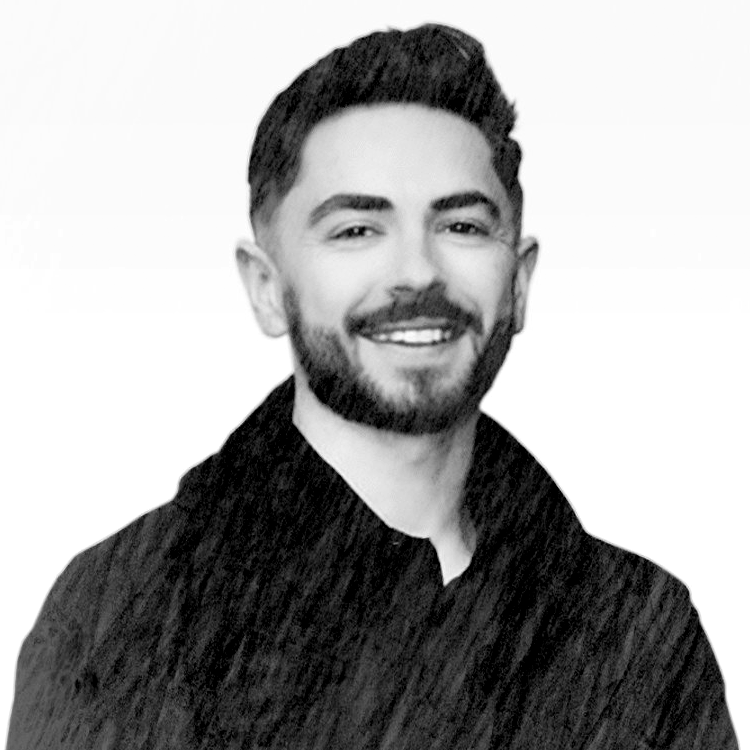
(428, 212)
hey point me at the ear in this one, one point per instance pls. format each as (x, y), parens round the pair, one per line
(527, 251)
(262, 282)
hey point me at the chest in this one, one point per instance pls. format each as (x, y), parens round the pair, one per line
(370, 658)
(324, 650)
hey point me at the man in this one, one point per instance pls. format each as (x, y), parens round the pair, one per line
(369, 561)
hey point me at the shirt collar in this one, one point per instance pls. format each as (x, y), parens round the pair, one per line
(267, 461)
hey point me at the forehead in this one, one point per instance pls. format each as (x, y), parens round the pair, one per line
(407, 153)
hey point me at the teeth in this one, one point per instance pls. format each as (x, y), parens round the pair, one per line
(416, 336)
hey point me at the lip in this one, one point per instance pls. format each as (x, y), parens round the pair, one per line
(420, 333)
(451, 329)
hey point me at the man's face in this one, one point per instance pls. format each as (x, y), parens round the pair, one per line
(397, 254)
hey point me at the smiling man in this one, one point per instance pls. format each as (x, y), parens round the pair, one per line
(369, 561)
(395, 266)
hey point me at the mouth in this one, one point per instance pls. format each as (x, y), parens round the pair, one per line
(415, 333)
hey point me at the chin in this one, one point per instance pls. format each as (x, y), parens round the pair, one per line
(422, 389)
(418, 407)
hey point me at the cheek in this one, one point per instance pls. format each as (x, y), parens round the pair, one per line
(329, 290)
(486, 283)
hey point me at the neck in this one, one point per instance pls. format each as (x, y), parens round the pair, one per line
(413, 483)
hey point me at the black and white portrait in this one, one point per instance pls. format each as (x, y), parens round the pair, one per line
(433, 435)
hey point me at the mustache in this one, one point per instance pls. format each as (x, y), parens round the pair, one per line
(427, 303)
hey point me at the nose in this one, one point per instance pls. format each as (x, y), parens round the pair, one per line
(415, 264)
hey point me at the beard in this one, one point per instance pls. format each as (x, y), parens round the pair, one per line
(346, 389)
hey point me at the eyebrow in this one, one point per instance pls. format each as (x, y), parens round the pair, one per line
(348, 201)
(465, 200)
(359, 202)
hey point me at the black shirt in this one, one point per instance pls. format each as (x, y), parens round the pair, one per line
(267, 607)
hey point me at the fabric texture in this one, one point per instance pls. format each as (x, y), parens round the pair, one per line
(267, 607)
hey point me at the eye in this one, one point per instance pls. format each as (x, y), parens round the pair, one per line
(466, 227)
(355, 232)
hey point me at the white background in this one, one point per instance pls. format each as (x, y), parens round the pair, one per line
(129, 351)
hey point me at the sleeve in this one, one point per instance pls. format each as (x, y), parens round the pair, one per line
(691, 710)
(49, 674)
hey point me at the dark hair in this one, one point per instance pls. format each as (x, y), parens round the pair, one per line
(437, 66)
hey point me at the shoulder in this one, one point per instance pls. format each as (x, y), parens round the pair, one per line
(625, 592)
(514, 476)
(122, 562)
(106, 611)
(609, 592)
(209, 498)
(632, 636)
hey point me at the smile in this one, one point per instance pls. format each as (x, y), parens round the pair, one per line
(414, 336)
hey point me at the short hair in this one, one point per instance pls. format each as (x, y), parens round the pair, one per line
(433, 65)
